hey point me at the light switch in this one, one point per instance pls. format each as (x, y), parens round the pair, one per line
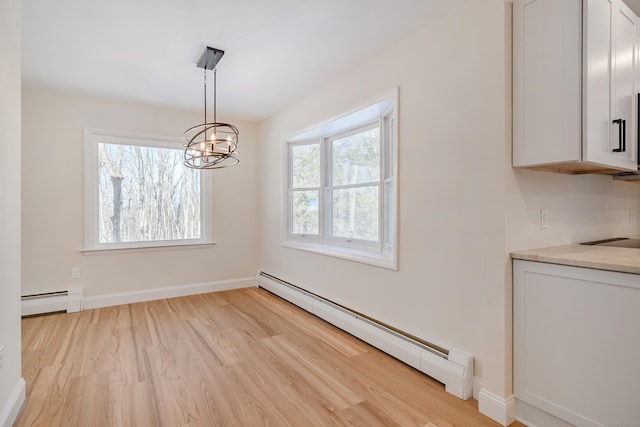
(543, 218)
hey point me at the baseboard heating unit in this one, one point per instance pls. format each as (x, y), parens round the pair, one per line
(451, 367)
(50, 302)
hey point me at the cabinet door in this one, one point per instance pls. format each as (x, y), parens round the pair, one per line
(623, 88)
(597, 35)
(577, 343)
(547, 65)
(609, 40)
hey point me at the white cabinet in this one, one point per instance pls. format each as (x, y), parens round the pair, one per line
(576, 345)
(574, 70)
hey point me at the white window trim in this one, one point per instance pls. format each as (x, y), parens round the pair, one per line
(378, 254)
(389, 171)
(93, 137)
(381, 259)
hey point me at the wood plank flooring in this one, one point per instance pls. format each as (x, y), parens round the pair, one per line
(235, 358)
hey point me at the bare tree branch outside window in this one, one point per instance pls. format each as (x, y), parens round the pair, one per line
(146, 194)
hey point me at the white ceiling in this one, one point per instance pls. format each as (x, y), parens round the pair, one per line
(276, 50)
(633, 5)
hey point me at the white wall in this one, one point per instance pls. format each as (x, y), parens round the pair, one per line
(452, 120)
(52, 201)
(580, 208)
(10, 378)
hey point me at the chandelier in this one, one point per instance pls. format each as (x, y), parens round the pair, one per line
(211, 145)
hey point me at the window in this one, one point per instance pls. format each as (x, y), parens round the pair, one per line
(138, 193)
(340, 187)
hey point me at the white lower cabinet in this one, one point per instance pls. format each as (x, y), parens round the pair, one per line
(576, 346)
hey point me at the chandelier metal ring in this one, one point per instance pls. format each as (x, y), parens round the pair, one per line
(211, 145)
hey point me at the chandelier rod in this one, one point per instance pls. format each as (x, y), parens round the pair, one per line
(215, 120)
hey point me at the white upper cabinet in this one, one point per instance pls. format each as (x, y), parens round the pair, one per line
(574, 70)
(624, 99)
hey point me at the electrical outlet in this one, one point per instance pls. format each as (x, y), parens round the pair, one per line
(543, 218)
(1, 356)
(75, 273)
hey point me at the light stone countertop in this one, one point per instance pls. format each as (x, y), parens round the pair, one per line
(624, 260)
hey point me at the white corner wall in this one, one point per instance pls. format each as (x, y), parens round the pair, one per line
(52, 202)
(579, 208)
(11, 383)
(452, 119)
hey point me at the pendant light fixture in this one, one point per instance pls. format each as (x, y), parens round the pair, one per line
(211, 145)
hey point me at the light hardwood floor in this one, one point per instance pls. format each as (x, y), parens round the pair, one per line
(235, 358)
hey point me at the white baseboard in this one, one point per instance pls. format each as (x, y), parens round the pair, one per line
(477, 386)
(13, 406)
(534, 417)
(499, 409)
(121, 298)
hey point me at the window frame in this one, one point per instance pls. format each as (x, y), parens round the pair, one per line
(382, 253)
(328, 187)
(92, 138)
(291, 190)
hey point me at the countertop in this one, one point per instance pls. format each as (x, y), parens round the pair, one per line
(624, 260)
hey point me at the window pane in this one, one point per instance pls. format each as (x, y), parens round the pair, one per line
(146, 194)
(355, 213)
(356, 158)
(306, 165)
(305, 212)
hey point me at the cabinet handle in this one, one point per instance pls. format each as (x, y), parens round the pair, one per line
(622, 135)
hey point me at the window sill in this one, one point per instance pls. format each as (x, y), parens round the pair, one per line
(146, 247)
(365, 257)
